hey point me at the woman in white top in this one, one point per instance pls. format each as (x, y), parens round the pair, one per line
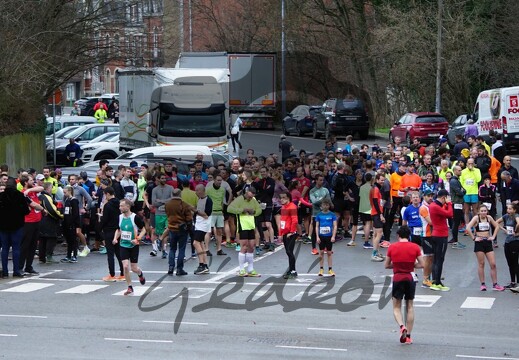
(235, 133)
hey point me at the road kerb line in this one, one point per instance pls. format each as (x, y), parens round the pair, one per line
(340, 330)
(485, 357)
(309, 348)
(139, 340)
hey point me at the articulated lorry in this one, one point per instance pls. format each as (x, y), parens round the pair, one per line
(168, 106)
(252, 83)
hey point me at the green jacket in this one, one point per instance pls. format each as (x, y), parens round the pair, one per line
(237, 205)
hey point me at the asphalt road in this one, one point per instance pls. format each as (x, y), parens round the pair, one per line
(67, 312)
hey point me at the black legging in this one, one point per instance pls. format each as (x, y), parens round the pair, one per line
(235, 139)
(112, 250)
(46, 247)
(397, 205)
(512, 258)
(290, 242)
(457, 220)
(71, 238)
(29, 243)
(439, 249)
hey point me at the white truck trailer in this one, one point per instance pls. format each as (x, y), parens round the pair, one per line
(168, 106)
(252, 83)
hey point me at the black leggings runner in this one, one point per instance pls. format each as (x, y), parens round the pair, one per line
(290, 242)
(512, 258)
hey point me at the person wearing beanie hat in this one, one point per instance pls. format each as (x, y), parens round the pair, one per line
(285, 148)
(487, 196)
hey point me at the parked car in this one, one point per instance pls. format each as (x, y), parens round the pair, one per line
(64, 121)
(342, 117)
(457, 127)
(300, 120)
(83, 134)
(86, 104)
(60, 134)
(426, 126)
(105, 146)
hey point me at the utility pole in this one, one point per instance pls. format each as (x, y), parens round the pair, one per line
(439, 57)
(283, 52)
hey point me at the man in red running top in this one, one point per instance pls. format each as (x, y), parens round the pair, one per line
(403, 257)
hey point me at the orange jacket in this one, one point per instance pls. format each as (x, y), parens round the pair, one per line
(411, 181)
(395, 181)
(495, 165)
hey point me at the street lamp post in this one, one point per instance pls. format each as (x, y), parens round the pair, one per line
(283, 52)
(439, 57)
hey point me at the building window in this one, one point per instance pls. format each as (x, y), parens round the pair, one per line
(117, 45)
(108, 82)
(155, 42)
(107, 44)
(70, 92)
(134, 13)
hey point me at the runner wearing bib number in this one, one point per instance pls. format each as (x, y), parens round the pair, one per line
(483, 236)
(129, 238)
(469, 178)
(288, 230)
(412, 219)
(325, 230)
(510, 224)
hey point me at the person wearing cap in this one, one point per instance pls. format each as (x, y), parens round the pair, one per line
(180, 218)
(73, 153)
(440, 211)
(457, 193)
(245, 207)
(411, 181)
(487, 196)
(285, 148)
(39, 179)
(470, 178)
(101, 115)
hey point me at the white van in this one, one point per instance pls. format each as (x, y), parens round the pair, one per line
(498, 109)
(64, 121)
(181, 152)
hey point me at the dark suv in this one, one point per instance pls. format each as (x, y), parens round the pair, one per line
(342, 117)
(86, 104)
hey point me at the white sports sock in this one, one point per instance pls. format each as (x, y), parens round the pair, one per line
(154, 246)
(241, 260)
(250, 260)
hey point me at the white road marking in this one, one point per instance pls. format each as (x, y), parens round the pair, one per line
(24, 316)
(139, 340)
(425, 300)
(137, 291)
(39, 277)
(340, 330)
(174, 322)
(8, 335)
(196, 293)
(82, 289)
(478, 303)
(485, 357)
(27, 287)
(308, 348)
(235, 270)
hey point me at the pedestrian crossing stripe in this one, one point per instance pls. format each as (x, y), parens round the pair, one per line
(482, 303)
(478, 303)
(27, 287)
(82, 289)
(137, 291)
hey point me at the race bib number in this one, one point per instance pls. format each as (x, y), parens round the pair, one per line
(126, 235)
(417, 231)
(484, 226)
(415, 277)
(128, 196)
(325, 230)
(72, 154)
(67, 210)
(488, 205)
(401, 194)
(469, 182)
(263, 206)
(282, 224)
(509, 230)
(458, 206)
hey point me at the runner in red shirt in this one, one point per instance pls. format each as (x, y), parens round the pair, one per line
(403, 257)
(288, 230)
